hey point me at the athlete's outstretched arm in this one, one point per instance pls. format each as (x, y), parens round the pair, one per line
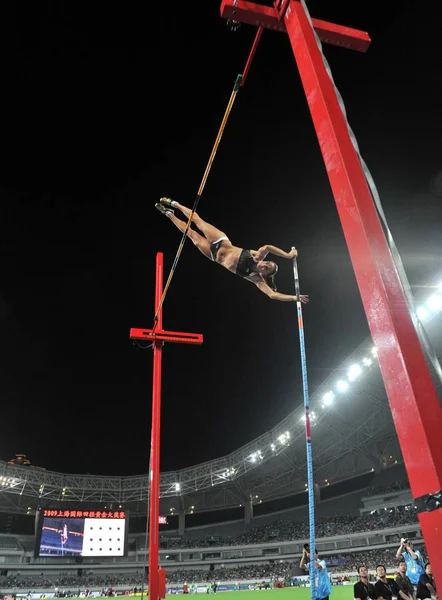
(267, 290)
(262, 252)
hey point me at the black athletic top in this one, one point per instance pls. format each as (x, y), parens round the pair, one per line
(244, 268)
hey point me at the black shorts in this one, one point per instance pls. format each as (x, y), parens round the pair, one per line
(215, 246)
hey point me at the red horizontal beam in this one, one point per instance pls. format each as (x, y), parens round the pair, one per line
(267, 17)
(166, 336)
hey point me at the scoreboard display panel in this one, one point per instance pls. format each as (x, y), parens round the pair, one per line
(82, 533)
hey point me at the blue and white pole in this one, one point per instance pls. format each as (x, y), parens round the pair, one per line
(308, 440)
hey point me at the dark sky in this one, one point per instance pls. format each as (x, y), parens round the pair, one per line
(105, 110)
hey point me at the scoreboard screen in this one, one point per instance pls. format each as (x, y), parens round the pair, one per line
(82, 533)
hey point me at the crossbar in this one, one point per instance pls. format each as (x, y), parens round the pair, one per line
(177, 337)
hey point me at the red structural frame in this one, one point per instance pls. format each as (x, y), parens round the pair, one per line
(412, 395)
(166, 336)
(156, 576)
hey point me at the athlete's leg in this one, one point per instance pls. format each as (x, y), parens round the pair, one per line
(200, 242)
(211, 233)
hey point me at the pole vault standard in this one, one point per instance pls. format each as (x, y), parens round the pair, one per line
(413, 400)
(157, 338)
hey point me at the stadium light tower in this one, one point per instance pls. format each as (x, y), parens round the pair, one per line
(413, 400)
(157, 337)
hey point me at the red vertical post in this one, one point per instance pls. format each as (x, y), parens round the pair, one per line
(414, 403)
(154, 516)
(158, 336)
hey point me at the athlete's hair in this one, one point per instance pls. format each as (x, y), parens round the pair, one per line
(270, 279)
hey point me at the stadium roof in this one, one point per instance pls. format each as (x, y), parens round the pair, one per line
(353, 433)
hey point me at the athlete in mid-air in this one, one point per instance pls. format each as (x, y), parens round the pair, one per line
(215, 245)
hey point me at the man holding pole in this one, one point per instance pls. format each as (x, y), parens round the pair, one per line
(322, 583)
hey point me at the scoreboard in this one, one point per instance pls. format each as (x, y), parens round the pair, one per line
(82, 533)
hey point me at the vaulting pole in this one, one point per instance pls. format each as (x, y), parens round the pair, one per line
(308, 436)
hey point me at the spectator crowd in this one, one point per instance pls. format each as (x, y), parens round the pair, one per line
(344, 563)
(282, 531)
(277, 570)
(71, 581)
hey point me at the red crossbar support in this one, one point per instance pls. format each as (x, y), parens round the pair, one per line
(414, 403)
(166, 336)
(267, 17)
(156, 576)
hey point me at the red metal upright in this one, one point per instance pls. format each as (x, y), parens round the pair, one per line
(414, 403)
(158, 338)
(154, 515)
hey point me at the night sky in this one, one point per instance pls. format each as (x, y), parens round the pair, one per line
(107, 109)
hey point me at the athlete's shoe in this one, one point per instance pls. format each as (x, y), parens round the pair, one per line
(167, 202)
(163, 209)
